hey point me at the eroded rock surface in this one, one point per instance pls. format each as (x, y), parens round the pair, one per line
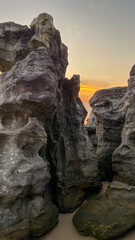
(43, 28)
(25, 205)
(26, 208)
(31, 85)
(109, 111)
(13, 38)
(108, 216)
(124, 155)
(28, 95)
(17, 41)
(72, 154)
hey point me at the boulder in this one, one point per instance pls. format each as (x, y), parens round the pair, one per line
(109, 111)
(109, 215)
(124, 155)
(71, 153)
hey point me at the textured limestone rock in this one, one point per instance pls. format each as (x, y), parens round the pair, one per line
(43, 28)
(13, 38)
(17, 41)
(25, 206)
(71, 153)
(28, 95)
(108, 216)
(124, 155)
(31, 85)
(109, 112)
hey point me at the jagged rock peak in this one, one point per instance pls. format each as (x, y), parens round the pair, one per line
(44, 28)
(17, 41)
(132, 72)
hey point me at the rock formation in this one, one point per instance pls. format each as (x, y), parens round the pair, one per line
(28, 95)
(124, 155)
(112, 214)
(43, 28)
(108, 216)
(13, 39)
(17, 41)
(71, 151)
(47, 155)
(34, 96)
(109, 112)
(91, 128)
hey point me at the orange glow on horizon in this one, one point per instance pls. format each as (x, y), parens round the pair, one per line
(86, 92)
(87, 88)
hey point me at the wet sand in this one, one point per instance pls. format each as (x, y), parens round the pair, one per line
(66, 231)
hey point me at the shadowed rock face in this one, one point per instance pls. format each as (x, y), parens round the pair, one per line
(91, 128)
(72, 156)
(108, 215)
(109, 112)
(124, 155)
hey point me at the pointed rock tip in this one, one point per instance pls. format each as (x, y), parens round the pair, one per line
(132, 72)
(41, 18)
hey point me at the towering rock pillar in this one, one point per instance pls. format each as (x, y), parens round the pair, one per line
(73, 158)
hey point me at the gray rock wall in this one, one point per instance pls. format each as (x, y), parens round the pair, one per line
(109, 111)
(124, 155)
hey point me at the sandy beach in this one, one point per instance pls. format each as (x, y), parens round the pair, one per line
(66, 231)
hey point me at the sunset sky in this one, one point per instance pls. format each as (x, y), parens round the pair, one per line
(100, 35)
